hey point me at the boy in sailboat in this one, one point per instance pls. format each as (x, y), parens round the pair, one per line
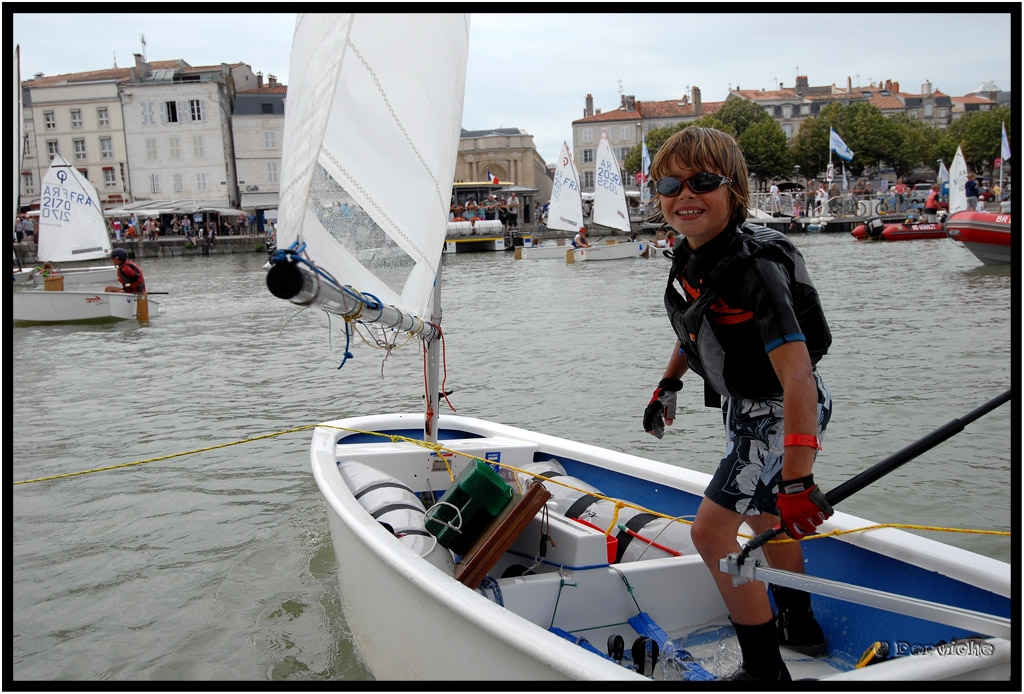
(748, 321)
(128, 274)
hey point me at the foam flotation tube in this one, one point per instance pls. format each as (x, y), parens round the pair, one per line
(396, 507)
(658, 537)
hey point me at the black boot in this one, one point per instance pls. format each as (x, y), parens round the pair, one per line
(761, 659)
(798, 629)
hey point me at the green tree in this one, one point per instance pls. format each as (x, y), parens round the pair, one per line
(764, 147)
(655, 138)
(913, 145)
(979, 136)
(740, 115)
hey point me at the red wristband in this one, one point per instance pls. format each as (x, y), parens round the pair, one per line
(801, 440)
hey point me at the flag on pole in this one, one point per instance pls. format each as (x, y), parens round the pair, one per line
(836, 144)
(943, 172)
(647, 159)
(492, 178)
(1006, 145)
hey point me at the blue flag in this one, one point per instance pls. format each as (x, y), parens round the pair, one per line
(1006, 145)
(647, 157)
(836, 144)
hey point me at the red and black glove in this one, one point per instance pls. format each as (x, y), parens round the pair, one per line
(802, 506)
(662, 406)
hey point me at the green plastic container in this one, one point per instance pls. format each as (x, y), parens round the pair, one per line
(480, 496)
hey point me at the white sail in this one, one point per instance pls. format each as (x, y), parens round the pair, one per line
(71, 222)
(370, 143)
(565, 210)
(958, 183)
(609, 194)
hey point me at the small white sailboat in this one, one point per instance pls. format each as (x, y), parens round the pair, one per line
(565, 208)
(72, 228)
(610, 209)
(470, 550)
(958, 183)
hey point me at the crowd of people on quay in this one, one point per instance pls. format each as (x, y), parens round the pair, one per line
(502, 209)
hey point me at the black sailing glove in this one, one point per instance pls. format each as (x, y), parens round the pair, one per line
(662, 406)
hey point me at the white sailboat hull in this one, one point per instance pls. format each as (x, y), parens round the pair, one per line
(613, 251)
(411, 619)
(40, 306)
(542, 252)
(99, 274)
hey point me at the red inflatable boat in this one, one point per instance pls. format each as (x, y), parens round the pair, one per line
(985, 234)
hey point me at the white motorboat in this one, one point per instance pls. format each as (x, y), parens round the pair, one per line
(471, 550)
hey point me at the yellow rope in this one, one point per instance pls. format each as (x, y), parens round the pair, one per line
(442, 450)
(165, 457)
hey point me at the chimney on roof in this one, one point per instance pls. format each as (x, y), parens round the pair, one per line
(259, 80)
(271, 81)
(849, 84)
(588, 110)
(888, 85)
(38, 76)
(801, 85)
(895, 87)
(926, 88)
(698, 108)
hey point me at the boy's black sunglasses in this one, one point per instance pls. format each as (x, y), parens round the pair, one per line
(700, 183)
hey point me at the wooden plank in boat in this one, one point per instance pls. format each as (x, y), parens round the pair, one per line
(500, 535)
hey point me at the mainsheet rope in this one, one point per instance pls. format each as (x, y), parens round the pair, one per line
(441, 450)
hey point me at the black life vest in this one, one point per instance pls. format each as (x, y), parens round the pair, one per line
(732, 356)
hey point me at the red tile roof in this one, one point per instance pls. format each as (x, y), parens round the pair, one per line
(672, 108)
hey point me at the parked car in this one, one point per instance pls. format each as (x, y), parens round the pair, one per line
(919, 193)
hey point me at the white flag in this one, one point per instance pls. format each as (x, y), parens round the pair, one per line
(943, 172)
(836, 144)
(1006, 145)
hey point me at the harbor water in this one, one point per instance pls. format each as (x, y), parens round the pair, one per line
(195, 545)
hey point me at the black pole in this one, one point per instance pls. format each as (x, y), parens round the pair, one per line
(884, 467)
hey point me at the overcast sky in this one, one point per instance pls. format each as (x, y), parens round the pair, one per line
(533, 71)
